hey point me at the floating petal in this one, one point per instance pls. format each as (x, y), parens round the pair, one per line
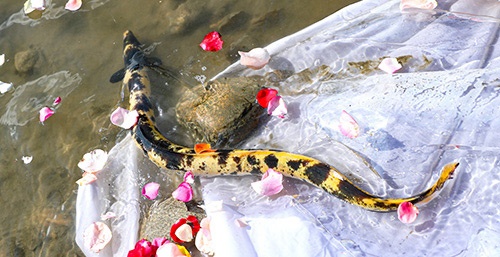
(172, 250)
(150, 190)
(73, 5)
(348, 126)
(2, 59)
(45, 113)
(265, 95)
(212, 42)
(57, 101)
(420, 4)
(256, 59)
(4, 87)
(27, 159)
(203, 148)
(270, 184)
(189, 177)
(277, 107)
(407, 212)
(86, 179)
(124, 118)
(96, 236)
(184, 233)
(93, 161)
(184, 192)
(389, 65)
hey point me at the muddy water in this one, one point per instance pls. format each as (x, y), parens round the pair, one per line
(76, 52)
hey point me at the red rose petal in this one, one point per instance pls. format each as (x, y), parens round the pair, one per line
(265, 95)
(212, 42)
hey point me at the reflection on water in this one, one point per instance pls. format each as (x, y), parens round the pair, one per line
(75, 55)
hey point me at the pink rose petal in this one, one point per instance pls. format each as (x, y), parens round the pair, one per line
(86, 179)
(184, 192)
(256, 59)
(73, 5)
(184, 233)
(159, 241)
(150, 190)
(57, 101)
(45, 113)
(124, 118)
(145, 247)
(277, 107)
(407, 212)
(203, 240)
(419, 4)
(93, 161)
(170, 250)
(389, 65)
(212, 42)
(348, 126)
(189, 177)
(270, 184)
(96, 236)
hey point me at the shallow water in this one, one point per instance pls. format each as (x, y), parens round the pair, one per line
(77, 52)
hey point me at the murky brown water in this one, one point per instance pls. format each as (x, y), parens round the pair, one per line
(77, 52)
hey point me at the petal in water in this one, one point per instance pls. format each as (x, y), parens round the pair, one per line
(2, 59)
(265, 95)
(57, 101)
(270, 184)
(184, 192)
(389, 65)
(348, 126)
(419, 4)
(277, 107)
(4, 87)
(407, 212)
(150, 190)
(73, 5)
(256, 59)
(45, 113)
(184, 232)
(203, 148)
(212, 42)
(96, 236)
(124, 118)
(189, 177)
(203, 239)
(93, 161)
(27, 159)
(172, 250)
(86, 179)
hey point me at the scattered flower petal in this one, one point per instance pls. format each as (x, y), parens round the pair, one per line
(159, 241)
(203, 239)
(96, 236)
(57, 101)
(348, 126)
(184, 192)
(108, 215)
(407, 212)
(150, 190)
(172, 250)
(265, 95)
(241, 223)
(45, 113)
(27, 159)
(194, 227)
(184, 233)
(86, 179)
(93, 161)
(2, 59)
(420, 4)
(73, 5)
(143, 248)
(277, 107)
(4, 87)
(189, 177)
(390, 65)
(256, 59)
(203, 148)
(270, 184)
(124, 118)
(38, 4)
(212, 42)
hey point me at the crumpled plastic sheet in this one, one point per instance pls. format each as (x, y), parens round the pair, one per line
(440, 108)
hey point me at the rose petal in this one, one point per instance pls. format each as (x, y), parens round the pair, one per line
(203, 148)
(256, 59)
(184, 233)
(348, 126)
(212, 42)
(172, 250)
(96, 236)
(86, 179)
(93, 161)
(73, 5)
(150, 190)
(45, 113)
(184, 192)
(4, 87)
(2, 59)
(277, 107)
(420, 4)
(270, 184)
(27, 159)
(203, 239)
(265, 95)
(389, 65)
(124, 118)
(189, 177)
(407, 212)
(57, 101)
(159, 241)
(143, 248)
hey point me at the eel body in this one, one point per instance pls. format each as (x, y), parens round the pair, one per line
(164, 153)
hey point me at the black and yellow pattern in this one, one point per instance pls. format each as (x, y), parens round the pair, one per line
(165, 153)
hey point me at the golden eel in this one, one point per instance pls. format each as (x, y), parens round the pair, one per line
(167, 154)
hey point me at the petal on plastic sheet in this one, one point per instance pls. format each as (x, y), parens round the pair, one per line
(420, 4)
(255, 59)
(4, 87)
(265, 95)
(203, 148)
(124, 118)
(212, 42)
(270, 184)
(93, 161)
(407, 212)
(86, 179)
(45, 113)
(189, 177)
(348, 125)
(97, 236)
(390, 65)
(150, 190)
(73, 5)
(172, 250)
(277, 107)
(184, 192)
